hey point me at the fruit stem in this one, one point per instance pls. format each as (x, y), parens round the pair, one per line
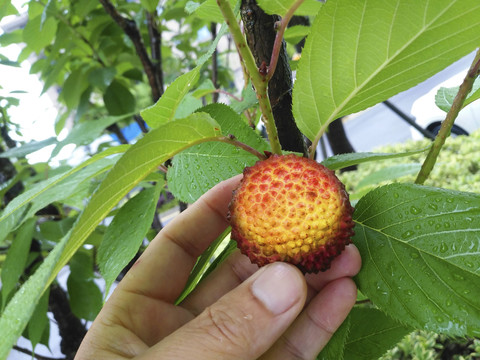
(230, 139)
(447, 124)
(257, 76)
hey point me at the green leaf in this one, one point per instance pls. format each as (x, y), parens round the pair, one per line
(102, 77)
(38, 36)
(164, 109)
(118, 99)
(281, 7)
(203, 264)
(142, 158)
(16, 259)
(363, 52)
(419, 248)
(389, 173)
(86, 132)
(445, 96)
(84, 296)
(75, 84)
(341, 161)
(200, 167)
(372, 333)
(295, 34)
(149, 5)
(19, 310)
(125, 234)
(44, 193)
(207, 10)
(28, 148)
(39, 322)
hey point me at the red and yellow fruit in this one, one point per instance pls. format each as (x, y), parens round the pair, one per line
(289, 208)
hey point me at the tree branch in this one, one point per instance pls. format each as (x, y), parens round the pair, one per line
(130, 28)
(36, 356)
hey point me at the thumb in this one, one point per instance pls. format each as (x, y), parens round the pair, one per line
(245, 322)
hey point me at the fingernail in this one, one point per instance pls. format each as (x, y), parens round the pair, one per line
(278, 287)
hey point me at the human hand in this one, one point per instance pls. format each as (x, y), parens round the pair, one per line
(237, 312)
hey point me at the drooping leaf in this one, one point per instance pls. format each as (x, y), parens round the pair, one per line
(389, 173)
(372, 333)
(363, 52)
(86, 132)
(419, 248)
(445, 96)
(296, 33)
(118, 99)
(45, 192)
(341, 161)
(39, 322)
(149, 5)
(84, 296)
(200, 167)
(73, 88)
(17, 255)
(125, 234)
(38, 36)
(102, 77)
(28, 148)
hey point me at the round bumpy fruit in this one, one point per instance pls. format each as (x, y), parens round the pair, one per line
(289, 208)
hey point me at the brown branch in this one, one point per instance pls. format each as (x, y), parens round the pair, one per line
(36, 356)
(131, 30)
(260, 33)
(156, 50)
(213, 30)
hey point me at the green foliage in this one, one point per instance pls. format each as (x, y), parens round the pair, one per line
(419, 244)
(445, 96)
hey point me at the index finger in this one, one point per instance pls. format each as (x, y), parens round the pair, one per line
(163, 269)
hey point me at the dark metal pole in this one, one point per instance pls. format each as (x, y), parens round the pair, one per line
(410, 120)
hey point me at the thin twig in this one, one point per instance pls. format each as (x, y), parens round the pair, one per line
(230, 139)
(36, 356)
(447, 124)
(277, 45)
(131, 30)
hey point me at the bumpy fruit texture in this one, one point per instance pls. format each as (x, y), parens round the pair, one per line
(289, 208)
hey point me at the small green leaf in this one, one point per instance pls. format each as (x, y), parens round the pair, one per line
(125, 234)
(45, 192)
(86, 132)
(149, 5)
(164, 109)
(281, 7)
(73, 87)
(419, 248)
(207, 10)
(296, 33)
(341, 161)
(200, 167)
(17, 254)
(389, 173)
(85, 298)
(39, 322)
(118, 99)
(372, 333)
(37, 35)
(445, 96)
(28, 148)
(102, 77)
